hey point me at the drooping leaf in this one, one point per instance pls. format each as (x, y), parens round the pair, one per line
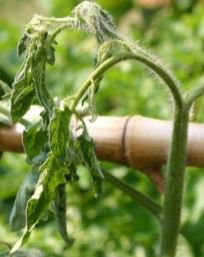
(59, 131)
(50, 55)
(34, 139)
(86, 147)
(52, 174)
(17, 217)
(22, 98)
(22, 44)
(60, 213)
(4, 89)
(42, 92)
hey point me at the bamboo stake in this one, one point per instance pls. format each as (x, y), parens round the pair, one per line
(136, 141)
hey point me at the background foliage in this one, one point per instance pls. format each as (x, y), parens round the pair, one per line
(114, 225)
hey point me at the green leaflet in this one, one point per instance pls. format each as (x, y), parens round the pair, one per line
(22, 98)
(59, 131)
(4, 89)
(17, 217)
(60, 213)
(86, 147)
(42, 92)
(2, 93)
(52, 174)
(34, 139)
(22, 44)
(50, 55)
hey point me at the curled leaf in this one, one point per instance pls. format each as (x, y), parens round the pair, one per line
(52, 174)
(5, 90)
(22, 98)
(42, 92)
(94, 19)
(50, 55)
(18, 216)
(86, 148)
(34, 139)
(59, 131)
(22, 45)
(60, 213)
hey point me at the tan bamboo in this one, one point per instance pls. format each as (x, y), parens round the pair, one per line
(135, 141)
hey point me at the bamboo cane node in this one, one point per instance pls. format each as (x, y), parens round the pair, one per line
(124, 155)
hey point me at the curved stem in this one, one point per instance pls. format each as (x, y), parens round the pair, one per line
(138, 197)
(131, 56)
(193, 94)
(174, 184)
(66, 19)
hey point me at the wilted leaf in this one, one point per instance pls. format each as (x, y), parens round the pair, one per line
(50, 55)
(34, 139)
(42, 92)
(18, 216)
(4, 89)
(59, 131)
(22, 98)
(86, 148)
(22, 44)
(52, 174)
(60, 213)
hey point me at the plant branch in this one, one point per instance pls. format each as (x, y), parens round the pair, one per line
(98, 72)
(138, 197)
(195, 93)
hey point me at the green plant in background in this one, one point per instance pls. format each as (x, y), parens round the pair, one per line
(55, 152)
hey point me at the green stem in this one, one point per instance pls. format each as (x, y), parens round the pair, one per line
(138, 197)
(97, 73)
(6, 113)
(67, 19)
(193, 94)
(174, 184)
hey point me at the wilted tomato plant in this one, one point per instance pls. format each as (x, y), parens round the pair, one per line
(55, 151)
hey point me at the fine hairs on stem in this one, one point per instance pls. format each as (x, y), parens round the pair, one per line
(59, 150)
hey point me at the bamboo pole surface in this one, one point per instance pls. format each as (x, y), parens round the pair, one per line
(135, 141)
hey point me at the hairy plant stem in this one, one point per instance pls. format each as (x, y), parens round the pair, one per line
(193, 94)
(174, 184)
(138, 197)
(161, 72)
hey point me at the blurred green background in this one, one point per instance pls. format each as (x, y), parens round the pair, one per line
(113, 226)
